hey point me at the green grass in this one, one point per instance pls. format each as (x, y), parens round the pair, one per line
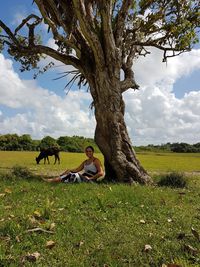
(153, 162)
(96, 225)
(187, 162)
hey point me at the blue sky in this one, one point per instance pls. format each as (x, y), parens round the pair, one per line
(11, 12)
(165, 109)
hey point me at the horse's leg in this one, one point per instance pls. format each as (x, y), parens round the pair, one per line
(48, 160)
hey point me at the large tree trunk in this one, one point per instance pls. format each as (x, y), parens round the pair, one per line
(111, 133)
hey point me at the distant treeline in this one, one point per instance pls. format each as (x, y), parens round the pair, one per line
(171, 147)
(14, 142)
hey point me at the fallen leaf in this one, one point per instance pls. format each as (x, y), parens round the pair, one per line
(37, 214)
(195, 234)
(32, 257)
(8, 190)
(8, 207)
(52, 226)
(169, 220)
(33, 220)
(50, 244)
(147, 248)
(142, 221)
(17, 239)
(80, 244)
(2, 195)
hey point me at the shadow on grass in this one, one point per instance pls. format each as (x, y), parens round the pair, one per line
(19, 173)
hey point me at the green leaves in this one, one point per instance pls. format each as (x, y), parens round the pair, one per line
(169, 25)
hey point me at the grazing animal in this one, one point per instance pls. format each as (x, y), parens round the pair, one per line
(51, 151)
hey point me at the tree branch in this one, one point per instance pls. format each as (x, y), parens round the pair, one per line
(57, 15)
(121, 19)
(88, 33)
(106, 13)
(9, 33)
(41, 49)
(67, 41)
(129, 81)
(24, 21)
(89, 11)
(176, 51)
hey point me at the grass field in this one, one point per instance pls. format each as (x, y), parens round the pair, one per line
(99, 225)
(153, 162)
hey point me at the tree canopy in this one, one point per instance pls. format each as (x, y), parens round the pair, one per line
(97, 32)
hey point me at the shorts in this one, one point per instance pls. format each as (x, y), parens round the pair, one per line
(74, 178)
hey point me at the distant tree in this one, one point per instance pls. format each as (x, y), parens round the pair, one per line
(197, 146)
(35, 145)
(75, 143)
(25, 141)
(101, 39)
(10, 142)
(47, 142)
(2, 142)
(183, 148)
(67, 143)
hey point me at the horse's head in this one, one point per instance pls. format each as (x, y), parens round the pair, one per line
(37, 160)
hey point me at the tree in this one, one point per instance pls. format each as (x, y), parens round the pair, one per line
(26, 142)
(68, 144)
(9, 142)
(100, 39)
(47, 142)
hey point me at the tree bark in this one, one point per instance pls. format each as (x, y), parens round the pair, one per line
(111, 134)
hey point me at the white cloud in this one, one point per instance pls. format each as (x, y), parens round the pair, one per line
(153, 114)
(150, 70)
(58, 66)
(40, 112)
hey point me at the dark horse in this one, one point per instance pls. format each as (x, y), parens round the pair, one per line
(48, 152)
